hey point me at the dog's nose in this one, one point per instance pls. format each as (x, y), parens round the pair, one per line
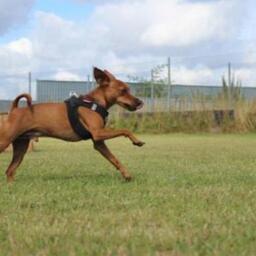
(139, 103)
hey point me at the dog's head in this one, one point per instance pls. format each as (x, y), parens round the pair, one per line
(116, 91)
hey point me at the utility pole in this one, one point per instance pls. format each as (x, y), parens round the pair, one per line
(169, 84)
(152, 90)
(93, 77)
(89, 87)
(29, 83)
(229, 74)
(229, 86)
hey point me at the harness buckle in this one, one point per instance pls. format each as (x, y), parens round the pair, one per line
(94, 106)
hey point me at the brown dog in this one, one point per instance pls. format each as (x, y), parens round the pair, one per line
(51, 120)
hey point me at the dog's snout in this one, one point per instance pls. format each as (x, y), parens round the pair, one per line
(139, 103)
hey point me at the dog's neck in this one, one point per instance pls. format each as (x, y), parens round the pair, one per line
(97, 95)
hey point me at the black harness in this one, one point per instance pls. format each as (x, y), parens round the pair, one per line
(73, 103)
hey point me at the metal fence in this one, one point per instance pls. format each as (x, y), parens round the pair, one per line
(176, 83)
(156, 96)
(57, 91)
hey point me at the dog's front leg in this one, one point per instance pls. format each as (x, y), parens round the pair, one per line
(106, 134)
(103, 149)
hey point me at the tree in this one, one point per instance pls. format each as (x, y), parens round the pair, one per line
(142, 86)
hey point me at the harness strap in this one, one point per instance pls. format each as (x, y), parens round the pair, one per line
(95, 107)
(73, 103)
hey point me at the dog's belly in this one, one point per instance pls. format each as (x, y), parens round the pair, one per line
(37, 134)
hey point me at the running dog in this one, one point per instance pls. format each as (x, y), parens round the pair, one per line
(57, 121)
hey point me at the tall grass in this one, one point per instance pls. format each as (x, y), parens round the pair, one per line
(226, 111)
(198, 114)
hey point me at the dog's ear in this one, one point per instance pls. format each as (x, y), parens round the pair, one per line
(111, 76)
(100, 76)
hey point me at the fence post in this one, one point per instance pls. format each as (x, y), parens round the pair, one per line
(169, 84)
(152, 91)
(89, 87)
(229, 87)
(29, 83)
(229, 74)
(93, 80)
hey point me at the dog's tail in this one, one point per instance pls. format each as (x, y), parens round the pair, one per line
(16, 101)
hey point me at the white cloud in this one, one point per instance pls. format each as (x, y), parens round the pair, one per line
(200, 75)
(100, 1)
(119, 34)
(150, 24)
(183, 24)
(246, 74)
(13, 12)
(3, 93)
(16, 56)
(21, 46)
(16, 61)
(67, 76)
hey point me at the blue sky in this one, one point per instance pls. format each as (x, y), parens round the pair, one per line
(63, 39)
(63, 8)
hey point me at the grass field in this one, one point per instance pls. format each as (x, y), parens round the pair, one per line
(192, 195)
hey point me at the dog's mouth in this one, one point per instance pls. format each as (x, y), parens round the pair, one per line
(131, 107)
(140, 106)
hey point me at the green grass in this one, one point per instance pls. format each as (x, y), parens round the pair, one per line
(192, 195)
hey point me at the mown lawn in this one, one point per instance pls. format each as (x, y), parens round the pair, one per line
(192, 195)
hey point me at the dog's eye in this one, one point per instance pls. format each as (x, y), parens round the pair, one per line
(125, 90)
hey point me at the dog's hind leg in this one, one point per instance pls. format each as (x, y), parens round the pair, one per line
(7, 135)
(20, 146)
(5, 140)
(4, 145)
(10, 130)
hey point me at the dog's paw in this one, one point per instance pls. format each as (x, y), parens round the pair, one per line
(138, 143)
(10, 180)
(128, 179)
